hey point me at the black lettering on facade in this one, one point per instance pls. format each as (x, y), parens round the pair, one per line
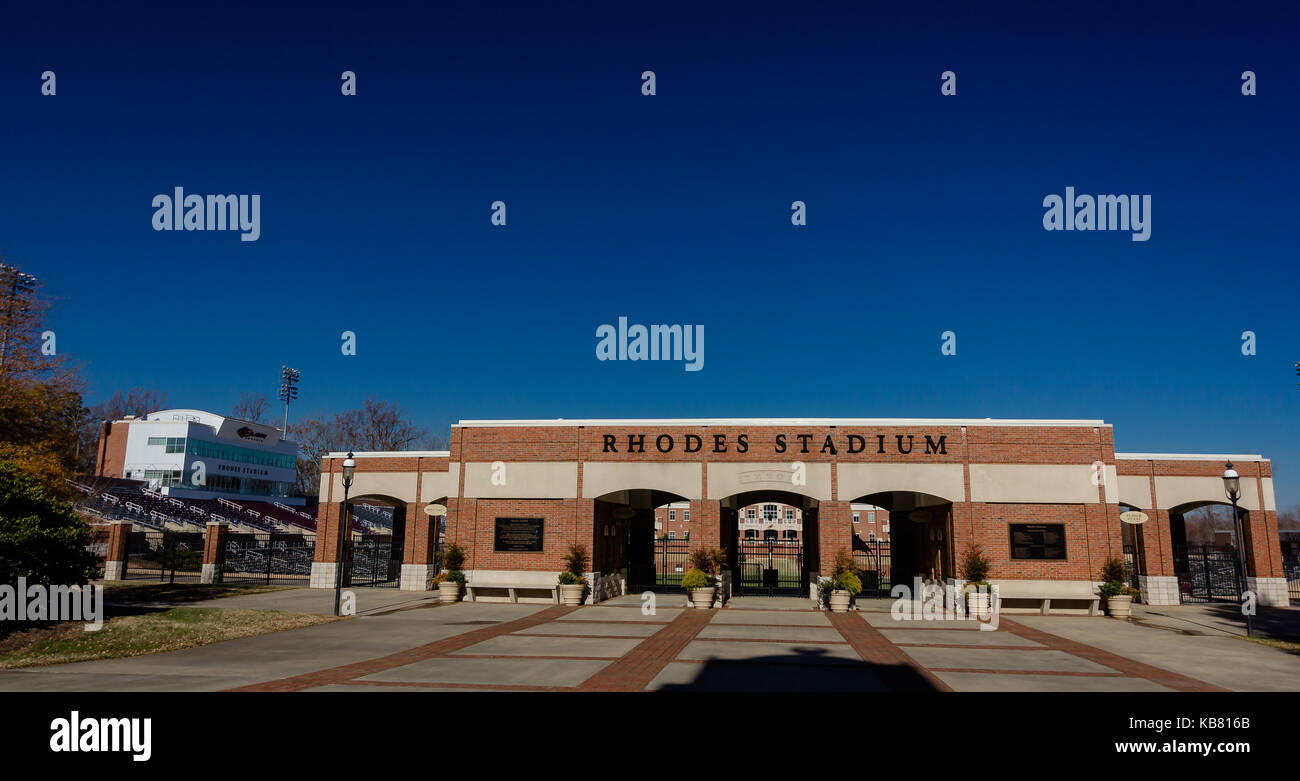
(909, 444)
(829, 446)
(742, 443)
(780, 443)
(932, 447)
(636, 443)
(861, 447)
(804, 439)
(659, 443)
(719, 443)
(609, 444)
(881, 439)
(699, 443)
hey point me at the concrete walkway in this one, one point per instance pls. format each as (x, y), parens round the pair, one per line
(407, 642)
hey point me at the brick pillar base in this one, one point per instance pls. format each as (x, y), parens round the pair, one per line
(1269, 592)
(116, 556)
(1159, 589)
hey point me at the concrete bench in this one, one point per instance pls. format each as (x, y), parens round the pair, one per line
(1047, 592)
(506, 585)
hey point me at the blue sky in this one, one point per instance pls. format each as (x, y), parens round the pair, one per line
(924, 211)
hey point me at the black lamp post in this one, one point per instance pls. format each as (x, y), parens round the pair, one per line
(345, 529)
(1232, 485)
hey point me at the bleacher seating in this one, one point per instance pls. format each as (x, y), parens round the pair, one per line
(154, 510)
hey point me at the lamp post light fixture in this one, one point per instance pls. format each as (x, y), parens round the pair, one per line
(345, 530)
(1232, 486)
(288, 392)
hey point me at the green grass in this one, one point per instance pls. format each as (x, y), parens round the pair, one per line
(149, 633)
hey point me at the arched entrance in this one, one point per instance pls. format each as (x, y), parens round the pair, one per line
(375, 541)
(633, 533)
(919, 542)
(767, 533)
(1206, 561)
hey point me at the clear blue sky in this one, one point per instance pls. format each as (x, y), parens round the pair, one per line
(924, 211)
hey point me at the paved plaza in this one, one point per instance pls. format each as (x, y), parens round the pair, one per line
(407, 642)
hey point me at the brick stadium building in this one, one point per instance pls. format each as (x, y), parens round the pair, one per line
(1042, 497)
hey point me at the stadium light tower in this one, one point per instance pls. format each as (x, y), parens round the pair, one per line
(288, 392)
(18, 289)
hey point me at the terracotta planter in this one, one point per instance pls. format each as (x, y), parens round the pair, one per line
(702, 598)
(978, 605)
(840, 601)
(448, 592)
(1119, 606)
(571, 594)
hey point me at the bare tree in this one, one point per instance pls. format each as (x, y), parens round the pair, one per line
(250, 407)
(137, 401)
(376, 425)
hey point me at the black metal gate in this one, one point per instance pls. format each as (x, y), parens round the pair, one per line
(372, 561)
(659, 565)
(771, 568)
(1291, 571)
(1207, 574)
(873, 563)
(282, 559)
(166, 556)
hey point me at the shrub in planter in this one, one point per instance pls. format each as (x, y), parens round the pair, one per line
(1118, 595)
(449, 584)
(975, 568)
(840, 589)
(710, 561)
(453, 557)
(572, 583)
(701, 586)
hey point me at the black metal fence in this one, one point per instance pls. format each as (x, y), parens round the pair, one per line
(873, 565)
(1207, 574)
(771, 568)
(279, 559)
(372, 561)
(659, 564)
(1291, 571)
(1132, 564)
(164, 556)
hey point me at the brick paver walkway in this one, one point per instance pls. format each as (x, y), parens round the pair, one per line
(616, 648)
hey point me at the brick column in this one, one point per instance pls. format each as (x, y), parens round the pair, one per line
(214, 552)
(834, 531)
(706, 522)
(329, 531)
(116, 555)
(1263, 548)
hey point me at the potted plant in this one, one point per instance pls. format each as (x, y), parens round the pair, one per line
(449, 584)
(844, 585)
(572, 583)
(710, 562)
(974, 569)
(451, 578)
(701, 586)
(1118, 595)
